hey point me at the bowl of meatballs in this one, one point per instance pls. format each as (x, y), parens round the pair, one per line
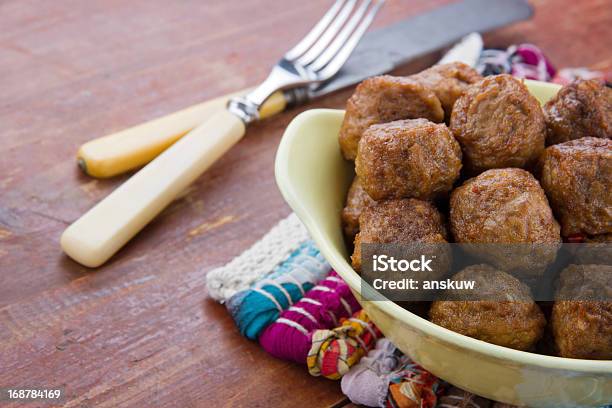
(447, 156)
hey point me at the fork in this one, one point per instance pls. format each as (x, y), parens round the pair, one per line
(316, 58)
(103, 230)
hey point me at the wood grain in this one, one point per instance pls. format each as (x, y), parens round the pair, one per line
(140, 331)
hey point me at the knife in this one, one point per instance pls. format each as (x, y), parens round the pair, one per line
(380, 51)
(103, 230)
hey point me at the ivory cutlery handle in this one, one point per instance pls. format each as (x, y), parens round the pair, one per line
(128, 149)
(98, 234)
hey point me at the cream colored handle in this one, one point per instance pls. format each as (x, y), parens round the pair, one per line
(103, 230)
(128, 149)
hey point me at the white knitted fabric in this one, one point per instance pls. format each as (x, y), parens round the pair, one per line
(258, 260)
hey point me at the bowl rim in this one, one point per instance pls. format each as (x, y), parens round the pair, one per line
(288, 191)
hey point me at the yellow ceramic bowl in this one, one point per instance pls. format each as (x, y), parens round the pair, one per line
(314, 178)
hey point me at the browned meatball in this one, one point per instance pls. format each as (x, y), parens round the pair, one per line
(506, 206)
(599, 239)
(577, 177)
(384, 99)
(595, 250)
(498, 124)
(583, 328)
(580, 109)
(408, 159)
(498, 310)
(449, 82)
(356, 200)
(399, 222)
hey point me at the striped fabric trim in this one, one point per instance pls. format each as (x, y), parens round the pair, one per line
(346, 306)
(366, 326)
(293, 324)
(334, 279)
(278, 286)
(322, 289)
(269, 296)
(312, 301)
(304, 312)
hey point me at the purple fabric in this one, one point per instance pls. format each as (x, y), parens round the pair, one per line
(528, 61)
(367, 382)
(289, 338)
(532, 55)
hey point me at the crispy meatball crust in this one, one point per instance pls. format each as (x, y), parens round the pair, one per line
(517, 322)
(599, 239)
(506, 206)
(449, 82)
(384, 99)
(400, 222)
(577, 177)
(412, 158)
(595, 250)
(583, 328)
(580, 109)
(498, 124)
(356, 201)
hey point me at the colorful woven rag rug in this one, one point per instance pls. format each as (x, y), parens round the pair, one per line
(282, 293)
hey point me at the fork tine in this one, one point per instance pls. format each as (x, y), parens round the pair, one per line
(300, 48)
(321, 44)
(340, 58)
(339, 41)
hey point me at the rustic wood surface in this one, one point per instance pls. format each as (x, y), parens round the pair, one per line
(140, 331)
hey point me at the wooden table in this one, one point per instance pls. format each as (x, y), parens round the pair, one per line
(141, 331)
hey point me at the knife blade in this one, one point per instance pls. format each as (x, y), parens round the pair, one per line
(379, 52)
(385, 49)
